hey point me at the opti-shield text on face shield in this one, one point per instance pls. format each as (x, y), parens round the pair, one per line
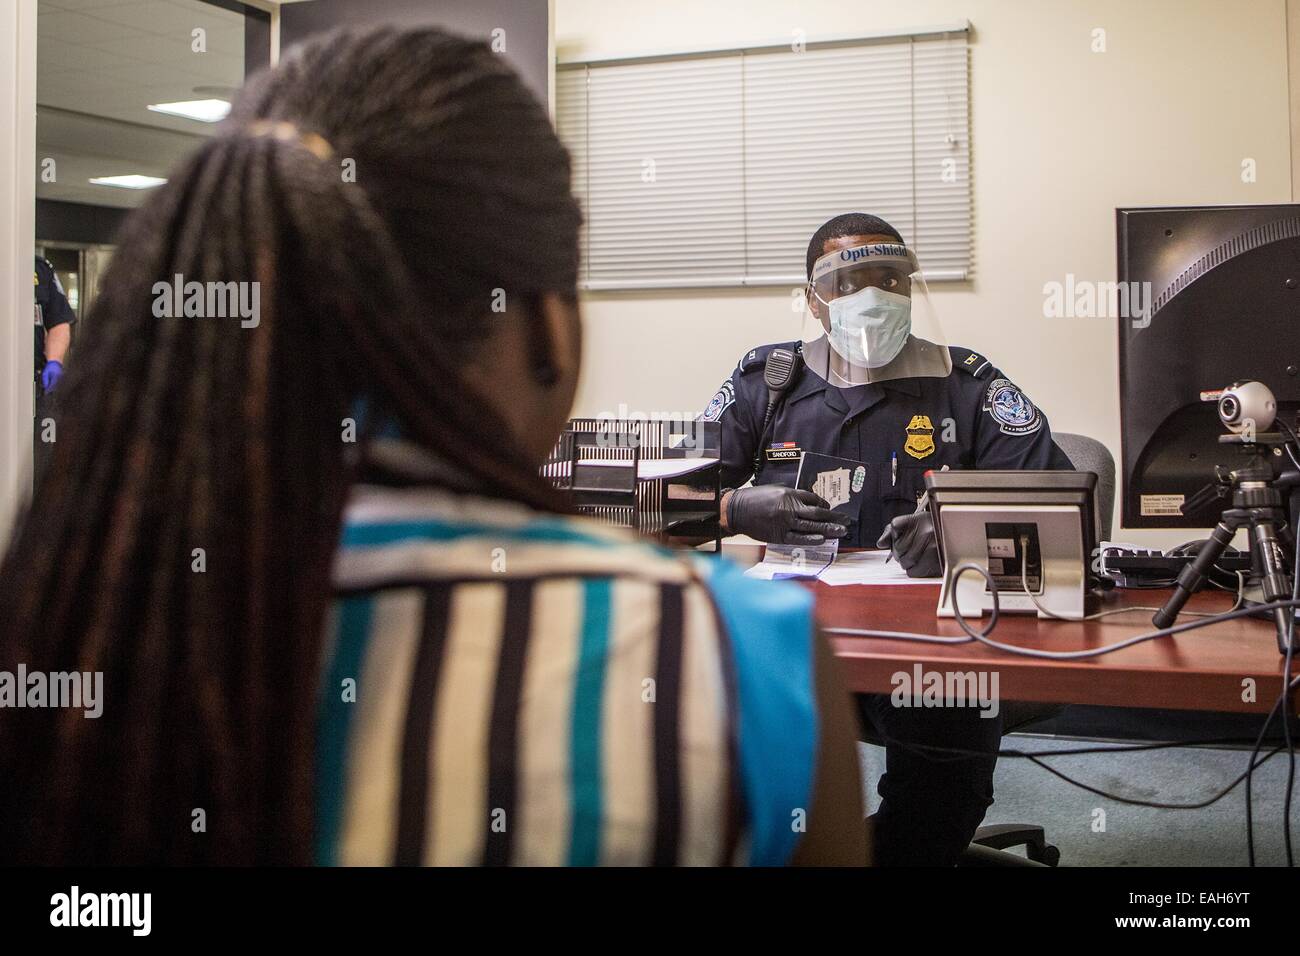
(870, 327)
(868, 317)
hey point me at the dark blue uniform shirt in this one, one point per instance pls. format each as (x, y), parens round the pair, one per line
(52, 308)
(973, 418)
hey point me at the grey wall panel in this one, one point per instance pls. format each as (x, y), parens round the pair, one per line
(77, 222)
(257, 40)
(526, 25)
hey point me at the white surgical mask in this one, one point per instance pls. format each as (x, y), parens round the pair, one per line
(870, 327)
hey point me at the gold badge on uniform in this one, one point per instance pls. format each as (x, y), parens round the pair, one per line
(920, 437)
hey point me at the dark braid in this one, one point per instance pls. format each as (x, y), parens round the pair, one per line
(184, 433)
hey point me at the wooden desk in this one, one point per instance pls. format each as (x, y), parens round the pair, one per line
(1202, 669)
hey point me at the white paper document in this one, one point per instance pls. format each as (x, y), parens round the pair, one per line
(857, 567)
(647, 468)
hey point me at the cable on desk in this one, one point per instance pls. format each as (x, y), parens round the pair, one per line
(1024, 584)
(1281, 705)
(1288, 684)
(1290, 653)
(1284, 698)
(982, 636)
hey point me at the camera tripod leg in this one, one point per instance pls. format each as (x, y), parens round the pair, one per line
(1275, 581)
(1192, 576)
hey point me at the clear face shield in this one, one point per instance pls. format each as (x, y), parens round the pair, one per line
(868, 318)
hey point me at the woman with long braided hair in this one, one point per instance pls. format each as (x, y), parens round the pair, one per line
(339, 616)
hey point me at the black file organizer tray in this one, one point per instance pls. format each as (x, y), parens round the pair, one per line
(598, 460)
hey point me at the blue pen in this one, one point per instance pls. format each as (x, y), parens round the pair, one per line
(893, 470)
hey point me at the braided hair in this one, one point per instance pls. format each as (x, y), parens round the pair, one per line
(182, 541)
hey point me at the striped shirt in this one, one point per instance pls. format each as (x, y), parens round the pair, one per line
(507, 687)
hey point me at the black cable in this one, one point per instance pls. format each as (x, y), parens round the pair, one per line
(1152, 803)
(1281, 706)
(1286, 683)
(1250, 819)
(1286, 710)
(960, 754)
(983, 638)
(1037, 757)
(1286, 729)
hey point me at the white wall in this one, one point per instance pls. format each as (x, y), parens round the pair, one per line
(17, 229)
(1061, 136)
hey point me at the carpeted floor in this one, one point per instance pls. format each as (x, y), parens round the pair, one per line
(1136, 836)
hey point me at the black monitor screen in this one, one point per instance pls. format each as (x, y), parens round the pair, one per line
(1222, 305)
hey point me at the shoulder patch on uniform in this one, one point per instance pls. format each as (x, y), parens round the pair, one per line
(970, 362)
(721, 401)
(1014, 413)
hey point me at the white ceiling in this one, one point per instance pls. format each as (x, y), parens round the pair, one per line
(100, 63)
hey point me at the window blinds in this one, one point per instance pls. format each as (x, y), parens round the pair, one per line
(715, 169)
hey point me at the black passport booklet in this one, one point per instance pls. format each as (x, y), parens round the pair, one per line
(840, 481)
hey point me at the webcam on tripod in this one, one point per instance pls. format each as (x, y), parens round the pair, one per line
(1248, 411)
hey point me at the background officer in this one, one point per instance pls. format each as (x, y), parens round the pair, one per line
(874, 381)
(54, 321)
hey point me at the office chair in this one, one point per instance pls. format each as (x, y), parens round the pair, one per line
(989, 845)
(1088, 454)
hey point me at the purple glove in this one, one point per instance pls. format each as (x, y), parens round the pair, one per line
(51, 374)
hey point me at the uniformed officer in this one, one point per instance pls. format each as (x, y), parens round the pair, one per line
(54, 321)
(873, 381)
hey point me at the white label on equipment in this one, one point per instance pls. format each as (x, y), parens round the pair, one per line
(1156, 506)
(1002, 547)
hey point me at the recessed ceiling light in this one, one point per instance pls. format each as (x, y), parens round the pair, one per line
(205, 111)
(132, 181)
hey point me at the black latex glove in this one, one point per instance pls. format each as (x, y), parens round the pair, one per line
(911, 538)
(780, 515)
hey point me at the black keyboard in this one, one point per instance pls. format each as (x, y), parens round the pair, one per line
(1169, 565)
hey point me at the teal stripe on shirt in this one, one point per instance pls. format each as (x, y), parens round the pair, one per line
(334, 721)
(435, 529)
(588, 704)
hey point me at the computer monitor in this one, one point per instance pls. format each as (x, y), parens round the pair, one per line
(1223, 306)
